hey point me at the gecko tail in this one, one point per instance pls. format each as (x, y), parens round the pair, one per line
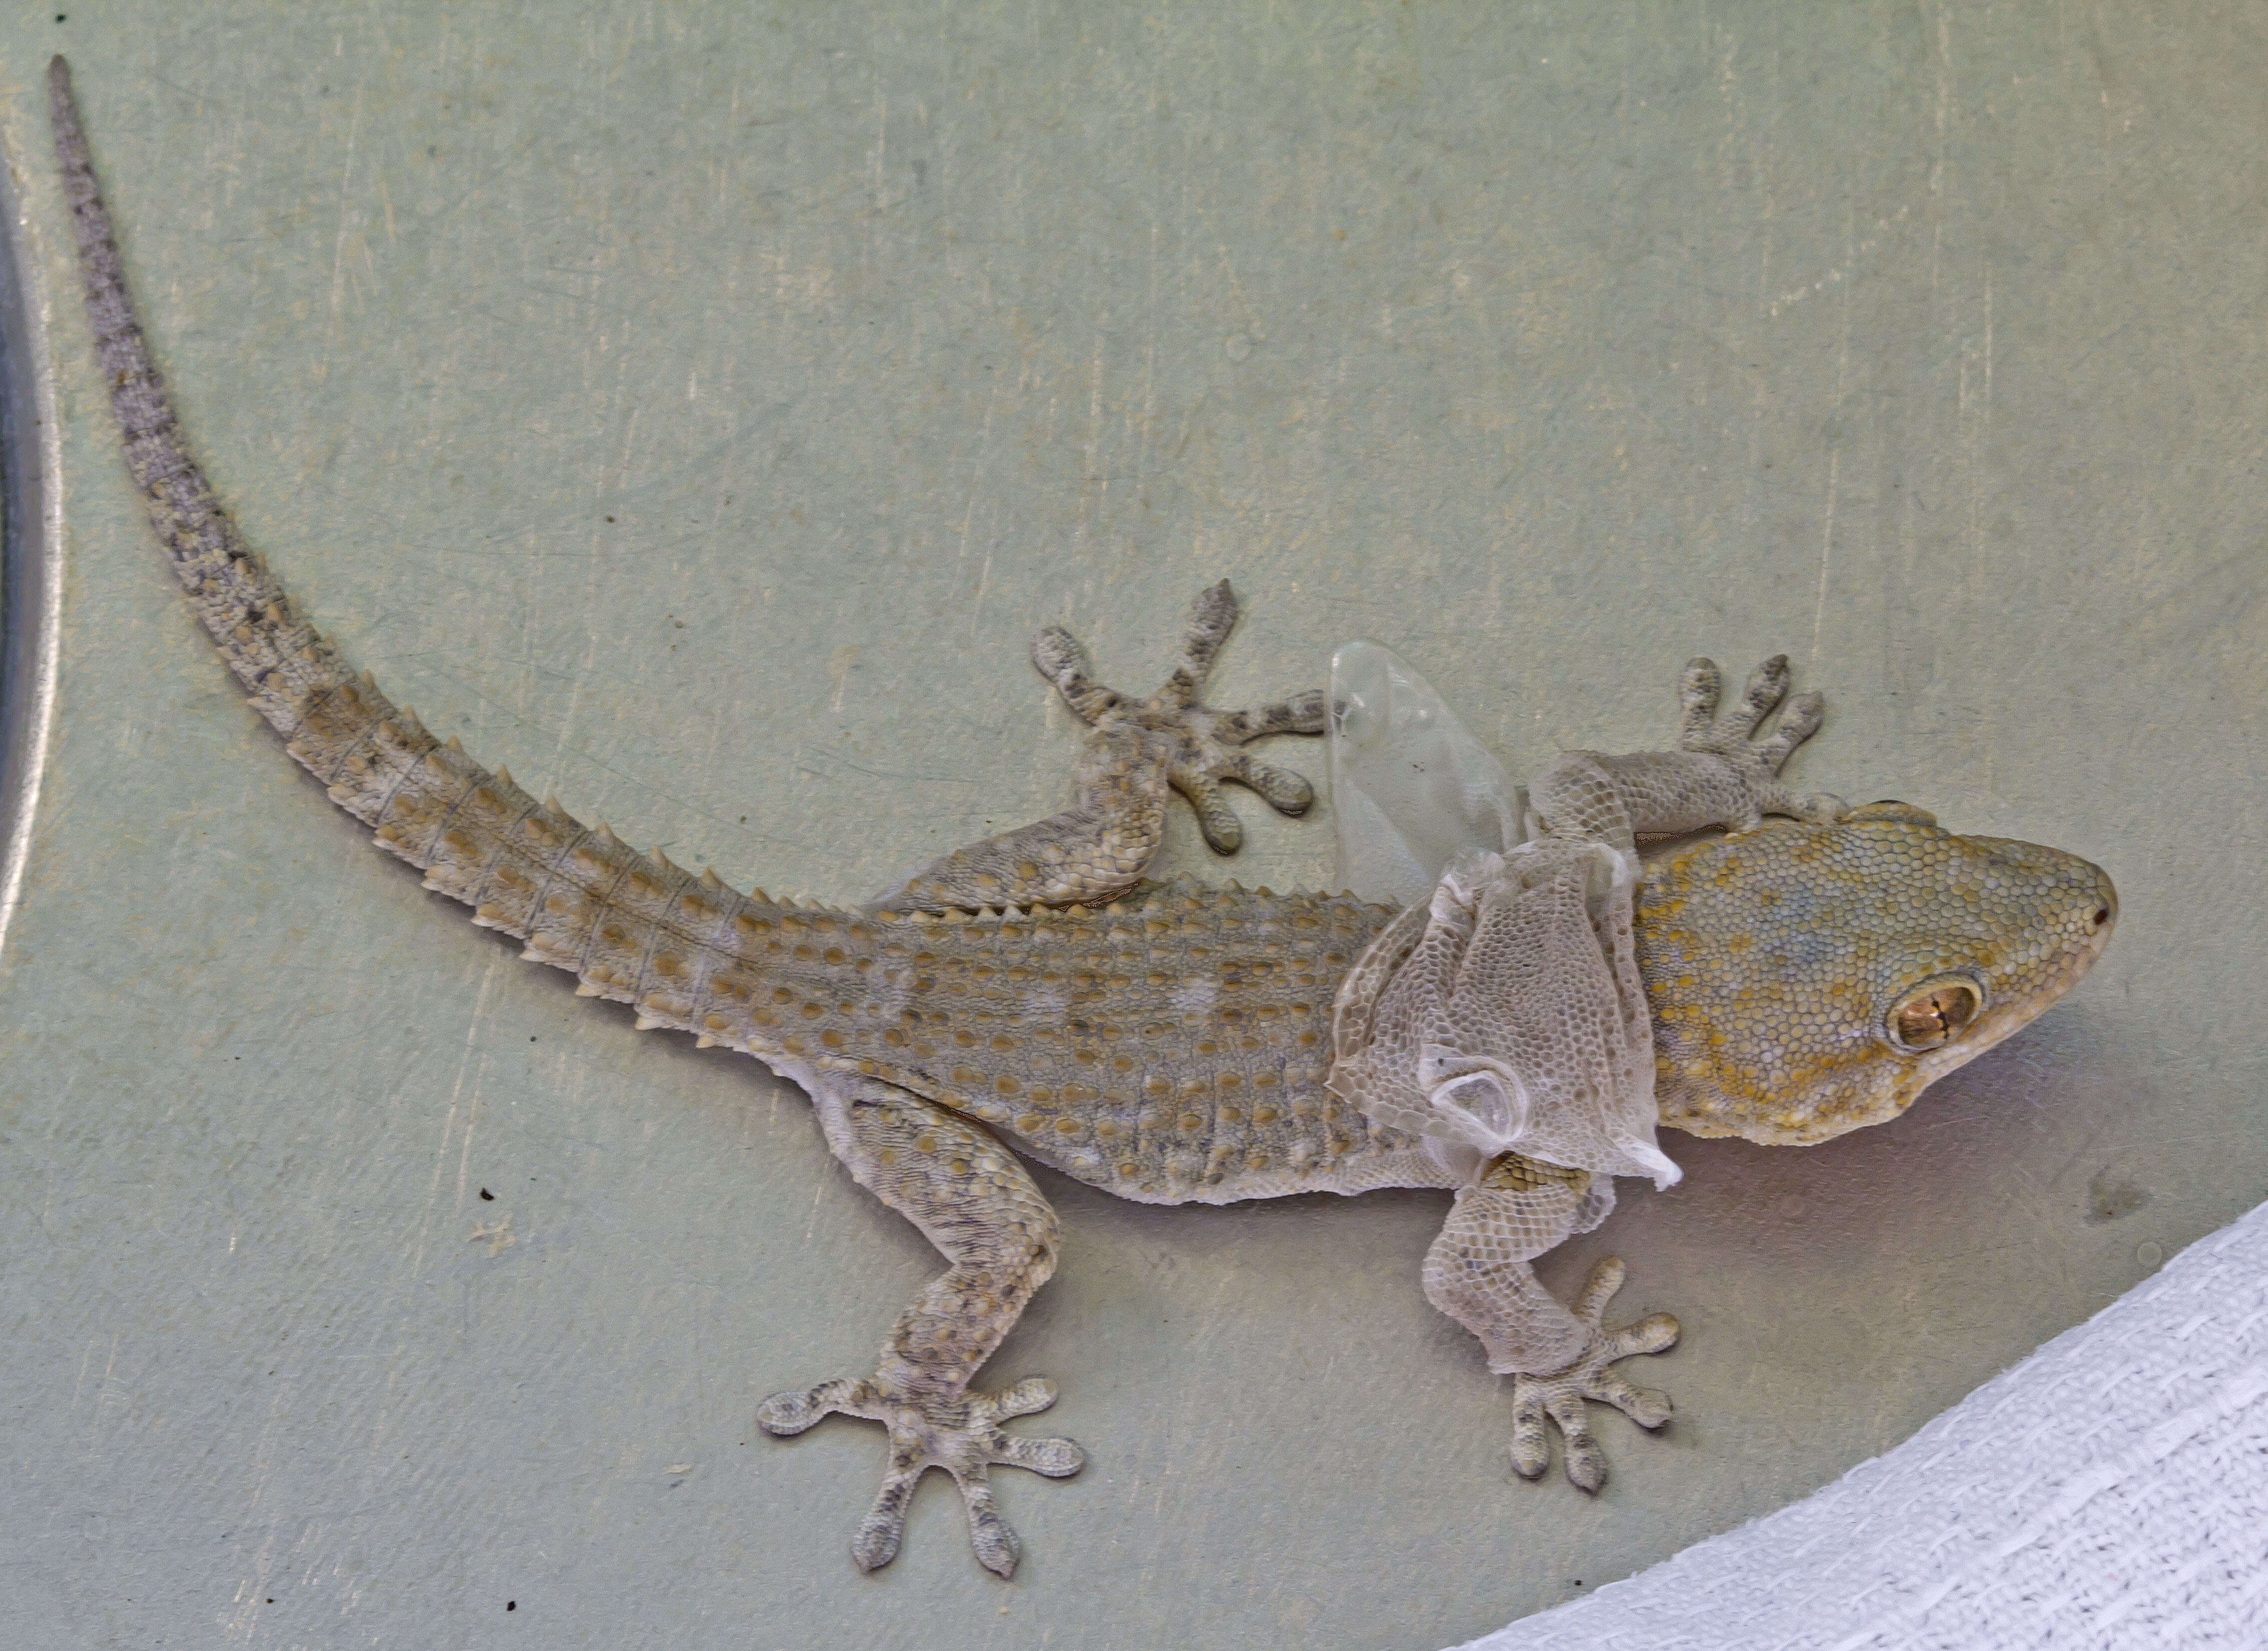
(282, 662)
(581, 898)
(342, 729)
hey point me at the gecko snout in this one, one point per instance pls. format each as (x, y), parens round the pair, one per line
(2103, 918)
(2106, 910)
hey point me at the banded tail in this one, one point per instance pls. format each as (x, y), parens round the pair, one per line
(634, 929)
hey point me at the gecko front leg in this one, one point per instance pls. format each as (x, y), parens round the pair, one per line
(1141, 750)
(1560, 1357)
(1723, 772)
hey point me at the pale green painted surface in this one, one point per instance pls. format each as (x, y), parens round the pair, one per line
(697, 411)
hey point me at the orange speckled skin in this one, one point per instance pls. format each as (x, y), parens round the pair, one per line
(1771, 959)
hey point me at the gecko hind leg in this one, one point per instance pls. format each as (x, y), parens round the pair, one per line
(972, 1199)
(1140, 752)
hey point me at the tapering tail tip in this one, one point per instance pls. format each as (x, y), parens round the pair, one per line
(63, 114)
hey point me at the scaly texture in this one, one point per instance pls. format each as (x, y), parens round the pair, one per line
(1095, 851)
(1174, 1046)
(1507, 1014)
(976, 1204)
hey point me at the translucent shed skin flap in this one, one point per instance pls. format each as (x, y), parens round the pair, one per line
(1503, 1010)
(1410, 784)
(1505, 1014)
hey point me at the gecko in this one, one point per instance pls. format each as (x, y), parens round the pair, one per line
(1807, 969)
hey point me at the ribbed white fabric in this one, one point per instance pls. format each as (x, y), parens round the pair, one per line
(2109, 1490)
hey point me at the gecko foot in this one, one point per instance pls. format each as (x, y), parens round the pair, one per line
(959, 1433)
(1564, 1394)
(1755, 761)
(1201, 746)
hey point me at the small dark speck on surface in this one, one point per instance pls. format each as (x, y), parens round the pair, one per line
(2110, 1197)
(512, 1605)
(489, 1196)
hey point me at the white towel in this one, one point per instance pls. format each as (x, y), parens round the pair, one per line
(2109, 1490)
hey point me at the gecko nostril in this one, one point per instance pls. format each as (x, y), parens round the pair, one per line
(2106, 901)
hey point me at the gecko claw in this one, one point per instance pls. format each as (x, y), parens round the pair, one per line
(1754, 759)
(958, 1432)
(1562, 1396)
(1199, 745)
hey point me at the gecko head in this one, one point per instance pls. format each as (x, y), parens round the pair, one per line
(1808, 979)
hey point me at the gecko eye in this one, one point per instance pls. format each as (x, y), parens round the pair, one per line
(1933, 1014)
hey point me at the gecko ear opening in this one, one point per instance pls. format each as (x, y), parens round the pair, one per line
(1933, 1014)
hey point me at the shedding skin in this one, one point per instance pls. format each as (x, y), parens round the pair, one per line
(1809, 971)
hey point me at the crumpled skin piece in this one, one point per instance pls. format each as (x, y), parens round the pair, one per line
(1507, 1014)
